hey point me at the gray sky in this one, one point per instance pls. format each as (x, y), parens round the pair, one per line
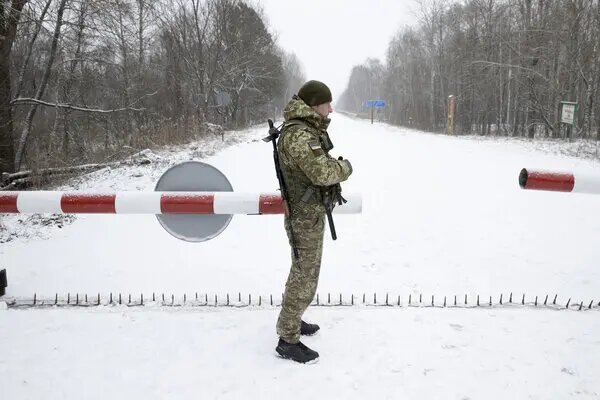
(331, 36)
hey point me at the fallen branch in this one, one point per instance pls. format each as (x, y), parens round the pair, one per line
(54, 171)
(29, 101)
(24, 178)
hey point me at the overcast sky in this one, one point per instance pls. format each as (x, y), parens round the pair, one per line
(331, 36)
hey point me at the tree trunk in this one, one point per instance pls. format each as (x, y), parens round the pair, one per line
(42, 88)
(9, 19)
(38, 27)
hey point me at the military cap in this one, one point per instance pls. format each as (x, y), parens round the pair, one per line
(314, 93)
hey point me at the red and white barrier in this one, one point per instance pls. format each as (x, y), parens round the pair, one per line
(200, 203)
(559, 181)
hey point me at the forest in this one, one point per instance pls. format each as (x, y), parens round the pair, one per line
(509, 64)
(86, 81)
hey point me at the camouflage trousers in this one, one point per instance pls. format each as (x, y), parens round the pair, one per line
(302, 281)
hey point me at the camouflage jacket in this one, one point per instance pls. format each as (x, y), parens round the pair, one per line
(303, 159)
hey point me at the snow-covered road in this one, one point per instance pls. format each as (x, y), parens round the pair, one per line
(442, 216)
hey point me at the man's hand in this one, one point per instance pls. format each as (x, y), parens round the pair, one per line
(340, 158)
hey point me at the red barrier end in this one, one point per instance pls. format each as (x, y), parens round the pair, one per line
(270, 204)
(8, 203)
(539, 180)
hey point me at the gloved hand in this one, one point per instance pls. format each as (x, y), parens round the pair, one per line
(340, 158)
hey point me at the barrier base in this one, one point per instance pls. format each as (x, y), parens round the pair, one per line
(3, 282)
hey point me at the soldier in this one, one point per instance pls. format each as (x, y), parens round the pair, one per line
(308, 171)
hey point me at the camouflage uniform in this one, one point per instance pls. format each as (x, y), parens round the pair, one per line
(304, 163)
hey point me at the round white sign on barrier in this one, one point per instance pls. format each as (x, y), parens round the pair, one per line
(193, 176)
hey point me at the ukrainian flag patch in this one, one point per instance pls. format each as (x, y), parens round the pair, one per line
(315, 145)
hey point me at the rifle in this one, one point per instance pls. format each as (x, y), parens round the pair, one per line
(274, 133)
(331, 195)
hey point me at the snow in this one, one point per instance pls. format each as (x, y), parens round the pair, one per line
(442, 216)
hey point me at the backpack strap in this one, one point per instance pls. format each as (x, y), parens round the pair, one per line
(293, 122)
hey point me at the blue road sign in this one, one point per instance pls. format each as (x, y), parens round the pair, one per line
(375, 103)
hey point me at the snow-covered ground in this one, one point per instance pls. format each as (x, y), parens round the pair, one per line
(442, 216)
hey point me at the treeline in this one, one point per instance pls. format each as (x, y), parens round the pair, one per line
(509, 64)
(85, 80)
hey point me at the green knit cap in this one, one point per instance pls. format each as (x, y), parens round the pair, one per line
(314, 93)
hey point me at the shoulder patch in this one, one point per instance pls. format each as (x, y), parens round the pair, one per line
(315, 145)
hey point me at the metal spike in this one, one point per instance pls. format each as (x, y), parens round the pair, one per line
(227, 298)
(249, 299)
(374, 298)
(340, 299)
(163, 297)
(500, 298)
(398, 300)
(477, 300)
(523, 299)
(465, 299)
(34, 298)
(184, 298)
(554, 301)
(328, 298)
(142, 298)
(432, 301)
(420, 298)
(111, 299)
(546, 300)
(153, 297)
(120, 301)
(55, 298)
(510, 299)
(444, 301)
(216, 300)
(77, 299)
(239, 297)
(271, 299)
(69, 298)
(454, 299)
(129, 298)
(206, 298)
(409, 299)
(580, 306)
(86, 300)
(568, 302)
(590, 306)
(386, 300)
(259, 300)
(98, 298)
(490, 301)
(535, 302)
(352, 299)
(364, 296)
(197, 296)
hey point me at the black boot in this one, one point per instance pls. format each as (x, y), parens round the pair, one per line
(297, 352)
(308, 329)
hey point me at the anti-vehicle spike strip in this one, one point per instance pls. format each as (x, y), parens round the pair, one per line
(559, 181)
(66, 301)
(203, 203)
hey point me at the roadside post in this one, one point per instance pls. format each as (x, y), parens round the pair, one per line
(568, 116)
(372, 104)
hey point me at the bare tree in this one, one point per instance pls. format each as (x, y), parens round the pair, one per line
(10, 14)
(42, 88)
